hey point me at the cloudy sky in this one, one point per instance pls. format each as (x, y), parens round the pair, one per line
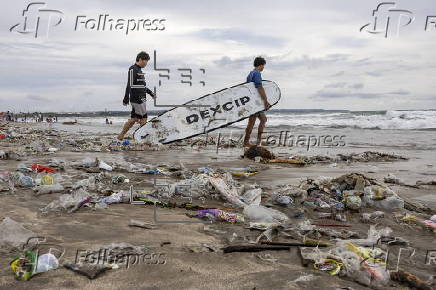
(315, 52)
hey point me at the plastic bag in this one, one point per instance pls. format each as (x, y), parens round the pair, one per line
(331, 266)
(353, 202)
(13, 234)
(26, 181)
(119, 179)
(23, 265)
(46, 262)
(5, 176)
(379, 197)
(374, 235)
(371, 217)
(261, 214)
(47, 180)
(252, 196)
(104, 165)
(117, 197)
(42, 168)
(220, 215)
(227, 190)
(67, 201)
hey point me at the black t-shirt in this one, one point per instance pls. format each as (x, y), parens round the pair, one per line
(136, 88)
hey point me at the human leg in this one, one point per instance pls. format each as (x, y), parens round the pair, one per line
(250, 125)
(126, 128)
(142, 121)
(261, 127)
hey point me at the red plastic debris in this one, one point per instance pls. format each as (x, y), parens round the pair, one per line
(41, 168)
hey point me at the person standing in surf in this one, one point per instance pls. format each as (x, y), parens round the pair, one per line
(135, 94)
(256, 77)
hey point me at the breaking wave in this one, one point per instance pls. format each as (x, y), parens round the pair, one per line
(388, 120)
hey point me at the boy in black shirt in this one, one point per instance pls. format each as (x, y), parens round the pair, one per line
(135, 93)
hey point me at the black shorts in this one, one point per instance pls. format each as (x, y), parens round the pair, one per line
(138, 111)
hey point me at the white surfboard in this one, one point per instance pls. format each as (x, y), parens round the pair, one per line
(207, 113)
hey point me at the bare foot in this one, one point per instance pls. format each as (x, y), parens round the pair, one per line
(247, 144)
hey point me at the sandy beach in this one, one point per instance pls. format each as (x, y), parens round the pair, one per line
(193, 251)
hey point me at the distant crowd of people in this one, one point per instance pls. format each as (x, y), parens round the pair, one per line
(27, 117)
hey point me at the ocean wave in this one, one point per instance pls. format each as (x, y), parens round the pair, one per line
(390, 120)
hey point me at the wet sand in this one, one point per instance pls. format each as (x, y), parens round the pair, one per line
(88, 228)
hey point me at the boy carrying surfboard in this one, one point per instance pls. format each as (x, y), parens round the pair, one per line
(135, 94)
(256, 77)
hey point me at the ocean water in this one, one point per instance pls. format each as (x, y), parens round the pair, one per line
(387, 120)
(411, 134)
(391, 131)
(401, 120)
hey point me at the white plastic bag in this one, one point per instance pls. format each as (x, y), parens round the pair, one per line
(261, 214)
(46, 262)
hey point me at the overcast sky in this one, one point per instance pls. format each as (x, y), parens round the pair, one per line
(314, 52)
